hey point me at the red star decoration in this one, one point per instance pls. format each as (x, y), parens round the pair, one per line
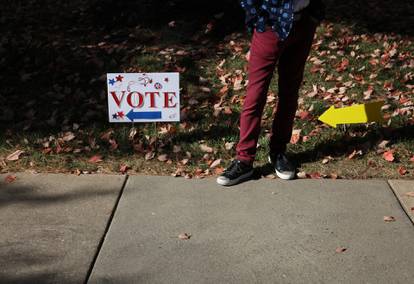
(166, 80)
(119, 78)
(121, 114)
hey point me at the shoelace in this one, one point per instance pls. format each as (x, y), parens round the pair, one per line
(233, 169)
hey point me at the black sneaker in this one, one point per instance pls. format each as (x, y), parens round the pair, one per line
(235, 173)
(283, 167)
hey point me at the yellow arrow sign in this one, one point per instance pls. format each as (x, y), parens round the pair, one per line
(362, 113)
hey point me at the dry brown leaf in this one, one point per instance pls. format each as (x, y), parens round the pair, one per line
(402, 170)
(301, 175)
(68, 136)
(15, 155)
(340, 249)
(354, 153)
(389, 218)
(218, 170)
(295, 136)
(113, 144)
(184, 236)
(107, 135)
(10, 179)
(206, 148)
(229, 145)
(410, 194)
(163, 158)
(149, 156)
(132, 133)
(215, 163)
(124, 168)
(383, 144)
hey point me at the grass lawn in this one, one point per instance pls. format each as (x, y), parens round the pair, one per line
(53, 101)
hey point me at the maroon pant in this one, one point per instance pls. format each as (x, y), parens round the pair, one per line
(266, 51)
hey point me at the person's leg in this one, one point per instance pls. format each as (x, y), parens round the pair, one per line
(291, 67)
(264, 53)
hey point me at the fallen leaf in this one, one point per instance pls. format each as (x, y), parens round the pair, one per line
(388, 155)
(184, 236)
(340, 249)
(270, 176)
(402, 170)
(389, 219)
(218, 170)
(206, 148)
(410, 194)
(315, 175)
(149, 156)
(295, 136)
(113, 144)
(124, 168)
(15, 155)
(95, 159)
(162, 158)
(68, 136)
(383, 144)
(229, 145)
(10, 178)
(334, 176)
(327, 160)
(132, 133)
(215, 163)
(107, 135)
(354, 153)
(301, 175)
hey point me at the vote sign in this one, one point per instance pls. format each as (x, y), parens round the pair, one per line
(143, 97)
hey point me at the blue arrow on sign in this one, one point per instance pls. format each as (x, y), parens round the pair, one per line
(143, 115)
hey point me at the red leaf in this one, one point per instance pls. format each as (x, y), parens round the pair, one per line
(95, 159)
(304, 115)
(10, 179)
(114, 145)
(389, 156)
(124, 168)
(315, 175)
(342, 65)
(402, 170)
(295, 136)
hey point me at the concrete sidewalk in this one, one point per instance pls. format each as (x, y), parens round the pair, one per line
(52, 226)
(262, 231)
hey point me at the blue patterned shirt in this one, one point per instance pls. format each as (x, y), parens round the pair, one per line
(278, 14)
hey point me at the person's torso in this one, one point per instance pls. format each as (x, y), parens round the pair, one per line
(299, 5)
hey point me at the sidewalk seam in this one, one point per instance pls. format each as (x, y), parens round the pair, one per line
(400, 203)
(108, 225)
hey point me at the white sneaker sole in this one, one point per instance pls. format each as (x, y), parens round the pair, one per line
(281, 175)
(226, 182)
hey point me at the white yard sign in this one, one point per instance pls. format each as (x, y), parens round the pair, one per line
(143, 97)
